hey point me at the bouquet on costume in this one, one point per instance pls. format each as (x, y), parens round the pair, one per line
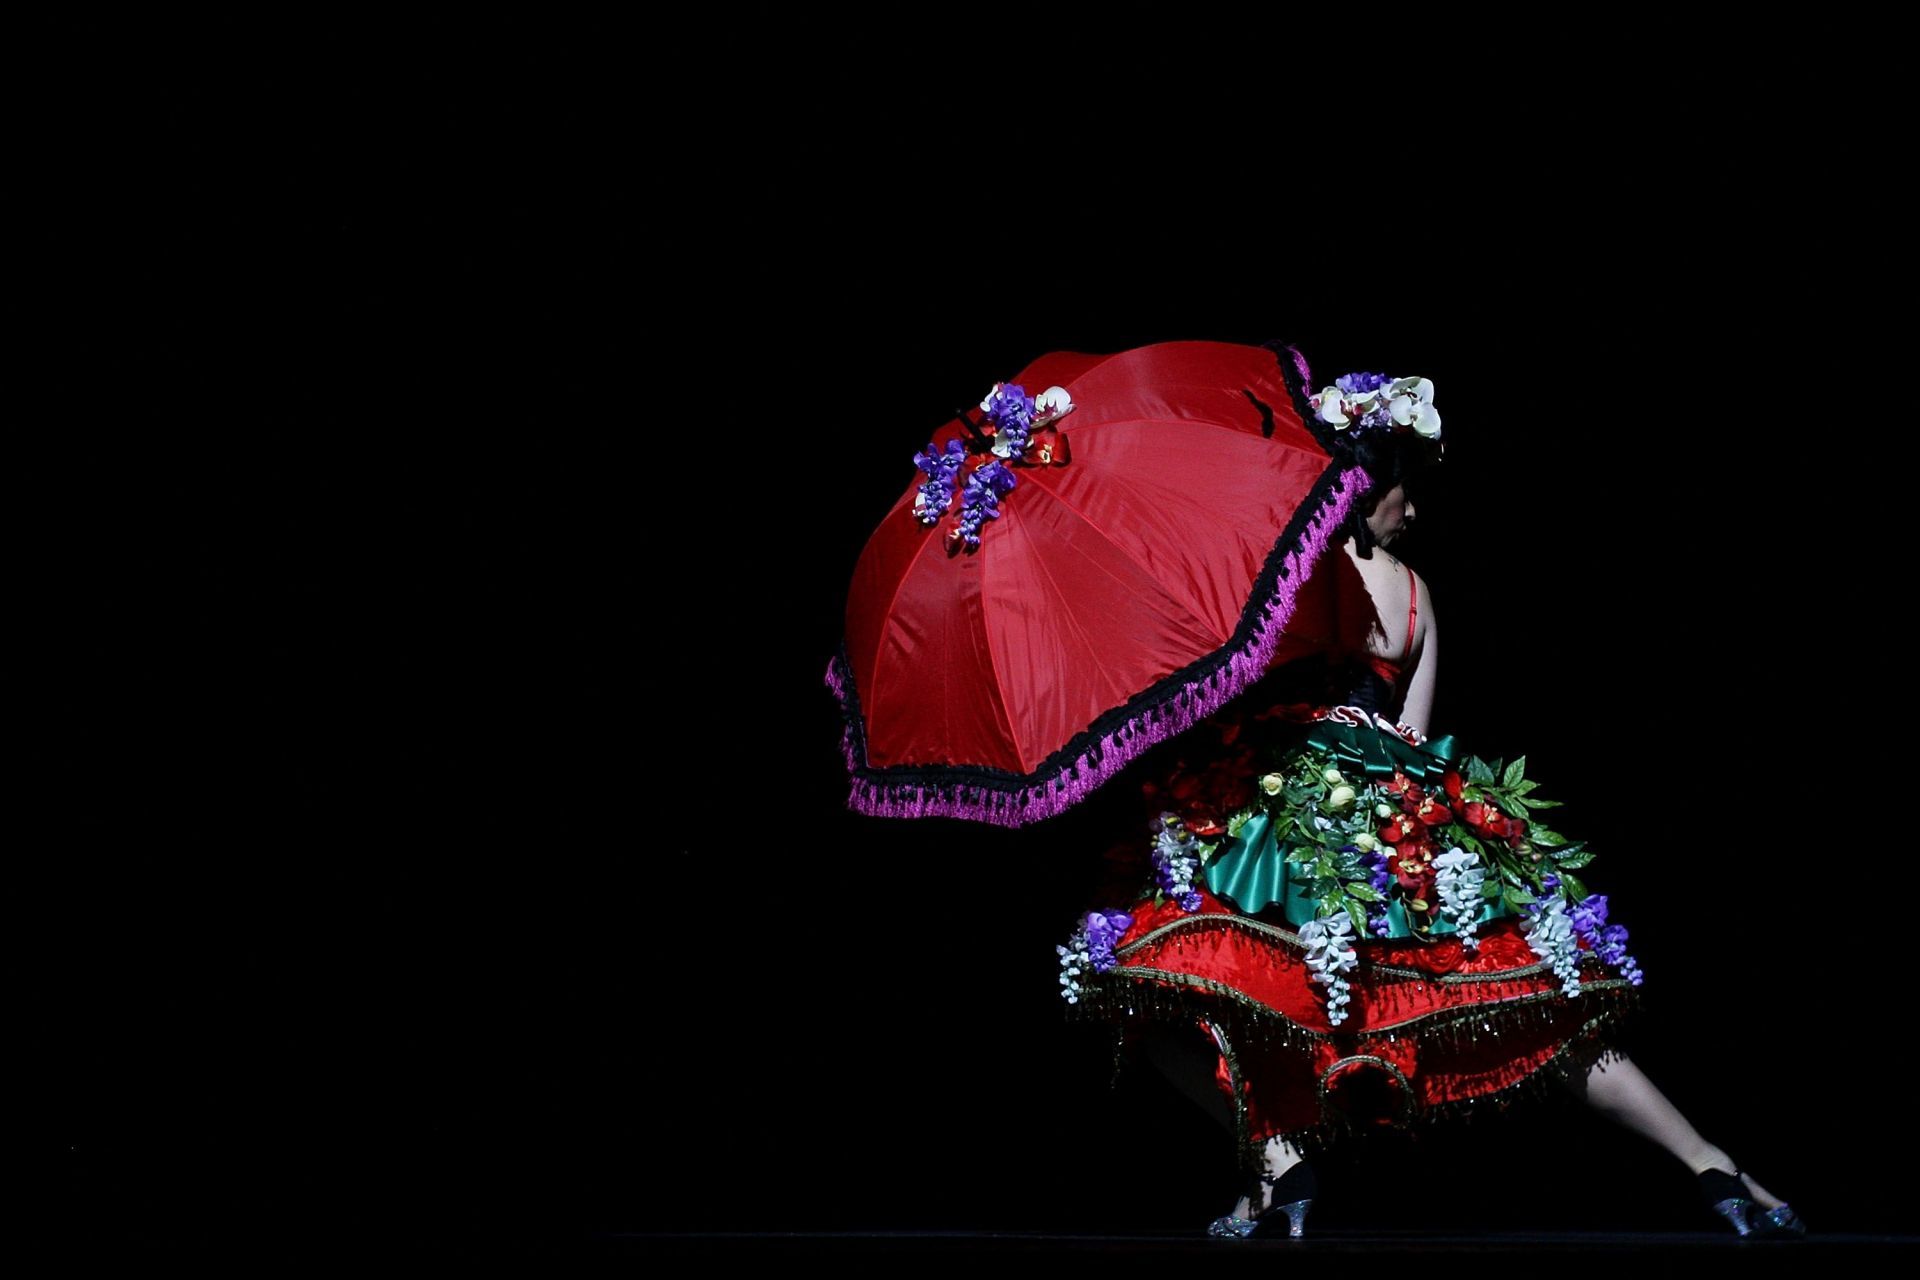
(1379, 854)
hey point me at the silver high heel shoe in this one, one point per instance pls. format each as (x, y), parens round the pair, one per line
(1289, 1196)
(1728, 1196)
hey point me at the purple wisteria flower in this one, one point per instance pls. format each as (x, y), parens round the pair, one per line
(1612, 947)
(1011, 409)
(986, 485)
(1104, 928)
(1588, 915)
(1176, 860)
(1090, 947)
(1381, 880)
(1608, 941)
(936, 492)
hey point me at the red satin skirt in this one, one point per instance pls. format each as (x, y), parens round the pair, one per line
(1433, 1028)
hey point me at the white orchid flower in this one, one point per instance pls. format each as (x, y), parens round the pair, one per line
(1050, 405)
(1411, 405)
(1330, 406)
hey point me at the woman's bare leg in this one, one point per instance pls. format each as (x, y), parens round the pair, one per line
(1279, 1156)
(1619, 1090)
(1188, 1061)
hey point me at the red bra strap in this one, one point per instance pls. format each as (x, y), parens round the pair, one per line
(1413, 604)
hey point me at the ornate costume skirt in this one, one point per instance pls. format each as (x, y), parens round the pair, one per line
(1468, 982)
(1432, 1028)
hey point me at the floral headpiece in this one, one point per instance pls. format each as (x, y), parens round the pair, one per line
(1374, 402)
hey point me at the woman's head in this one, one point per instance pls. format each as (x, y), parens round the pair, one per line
(1389, 428)
(1392, 513)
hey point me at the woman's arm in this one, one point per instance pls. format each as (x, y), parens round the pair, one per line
(1418, 706)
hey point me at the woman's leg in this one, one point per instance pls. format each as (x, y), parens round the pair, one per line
(1189, 1062)
(1619, 1090)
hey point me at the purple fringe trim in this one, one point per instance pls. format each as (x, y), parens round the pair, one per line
(1300, 363)
(1191, 705)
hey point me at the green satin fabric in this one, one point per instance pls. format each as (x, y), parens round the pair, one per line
(1250, 871)
(1377, 753)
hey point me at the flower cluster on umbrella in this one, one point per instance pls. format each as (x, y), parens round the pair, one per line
(1019, 431)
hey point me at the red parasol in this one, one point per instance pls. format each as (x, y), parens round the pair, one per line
(1120, 595)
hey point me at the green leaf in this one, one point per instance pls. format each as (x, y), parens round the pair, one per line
(1516, 896)
(1359, 918)
(1490, 888)
(1546, 836)
(1574, 886)
(1515, 774)
(1478, 773)
(1364, 892)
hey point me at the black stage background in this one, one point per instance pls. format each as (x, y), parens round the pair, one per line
(454, 542)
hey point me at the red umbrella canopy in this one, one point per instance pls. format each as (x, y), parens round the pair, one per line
(1117, 598)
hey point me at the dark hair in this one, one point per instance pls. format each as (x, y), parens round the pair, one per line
(1391, 458)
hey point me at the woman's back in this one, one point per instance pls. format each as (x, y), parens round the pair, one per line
(1356, 615)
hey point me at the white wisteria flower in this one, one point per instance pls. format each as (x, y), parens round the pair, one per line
(1075, 959)
(1458, 877)
(1330, 953)
(1551, 937)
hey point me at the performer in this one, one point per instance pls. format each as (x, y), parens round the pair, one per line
(1353, 924)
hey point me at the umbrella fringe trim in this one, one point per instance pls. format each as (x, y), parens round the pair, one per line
(1008, 800)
